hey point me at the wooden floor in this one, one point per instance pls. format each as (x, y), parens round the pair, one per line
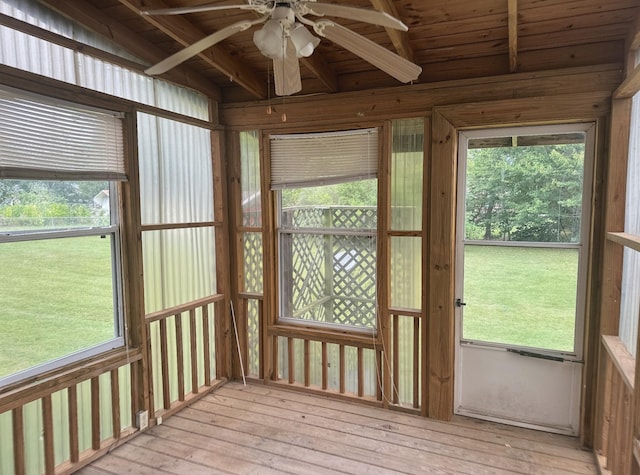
(258, 429)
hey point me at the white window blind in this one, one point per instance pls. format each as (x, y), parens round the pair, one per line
(299, 160)
(45, 138)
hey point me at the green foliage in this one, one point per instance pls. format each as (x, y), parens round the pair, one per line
(353, 193)
(525, 193)
(41, 203)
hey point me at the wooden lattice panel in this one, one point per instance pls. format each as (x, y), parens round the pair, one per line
(252, 262)
(330, 277)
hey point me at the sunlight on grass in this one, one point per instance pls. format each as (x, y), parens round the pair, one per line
(520, 296)
(57, 298)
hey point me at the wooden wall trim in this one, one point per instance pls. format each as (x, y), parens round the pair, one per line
(441, 265)
(611, 273)
(349, 109)
(586, 106)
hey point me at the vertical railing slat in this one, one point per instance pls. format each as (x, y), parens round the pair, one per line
(307, 364)
(342, 370)
(18, 441)
(95, 413)
(206, 345)
(74, 444)
(416, 362)
(115, 403)
(291, 364)
(260, 338)
(134, 374)
(395, 389)
(360, 372)
(194, 351)
(179, 355)
(47, 429)
(164, 360)
(324, 365)
(379, 372)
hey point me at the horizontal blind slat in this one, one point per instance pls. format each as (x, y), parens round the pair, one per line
(323, 158)
(49, 138)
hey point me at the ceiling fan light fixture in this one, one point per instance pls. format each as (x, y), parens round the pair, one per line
(303, 41)
(270, 39)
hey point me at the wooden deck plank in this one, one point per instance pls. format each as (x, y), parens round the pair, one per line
(469, 429)
(206, 452)
(158, 461)
(258, 429)
(280, 441)
(396, 439)
(351, 447)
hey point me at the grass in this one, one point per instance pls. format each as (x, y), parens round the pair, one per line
(521, 296)
(56, 299)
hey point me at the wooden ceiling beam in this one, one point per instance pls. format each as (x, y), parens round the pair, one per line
(322, 70)
(633, 39)
(630, 86)
(186, 34)
(512, 8)
(93, 19)
(400, 39)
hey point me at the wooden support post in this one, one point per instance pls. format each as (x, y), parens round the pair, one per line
(222, 321)
(424, 353)
(384, 260)
(611, 281)
(441, 247)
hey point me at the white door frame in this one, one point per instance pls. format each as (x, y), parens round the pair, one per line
(567, 365)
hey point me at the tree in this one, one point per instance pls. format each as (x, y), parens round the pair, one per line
(529, 193)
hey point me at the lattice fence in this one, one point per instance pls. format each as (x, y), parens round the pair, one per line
(329, 277)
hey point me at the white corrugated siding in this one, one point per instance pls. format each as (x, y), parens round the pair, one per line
(630, 298)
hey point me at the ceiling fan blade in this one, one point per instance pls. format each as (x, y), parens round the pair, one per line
(286, 72)
(392, 64)
(198, 9)
(199, 46)
(352, 13)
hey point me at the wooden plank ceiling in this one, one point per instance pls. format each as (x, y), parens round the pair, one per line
(450, 39)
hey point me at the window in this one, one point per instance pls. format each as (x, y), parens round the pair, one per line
(327, 195)
(59, 233)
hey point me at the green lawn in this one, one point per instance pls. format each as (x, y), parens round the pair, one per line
(522, 296)
(56, 299)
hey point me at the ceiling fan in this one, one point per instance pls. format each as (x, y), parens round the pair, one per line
(284, 37)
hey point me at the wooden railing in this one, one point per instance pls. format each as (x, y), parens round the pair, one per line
(353, 364)
(182, 378)
(65, 385)
(617, 424)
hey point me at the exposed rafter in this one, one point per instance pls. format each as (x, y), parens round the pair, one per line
(186, 34)
(633, 40)
(630, 87)
(400, 39)
(513, 35)
(321, 69)
(94, 19)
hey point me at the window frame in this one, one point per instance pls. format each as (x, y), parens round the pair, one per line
(113, 229)
(286, 230)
